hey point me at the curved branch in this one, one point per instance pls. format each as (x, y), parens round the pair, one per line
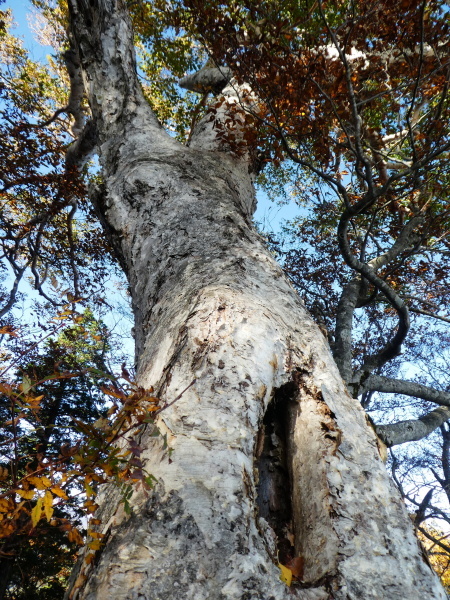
(342, 347)
(413, 429)
(349, 298)
(393, 347)
(13, 293)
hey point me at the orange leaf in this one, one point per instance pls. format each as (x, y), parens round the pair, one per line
(8, 330)
(6, 505)
(96, 535)
(6, 528)
(89, 558)
(115, 393)
(74, 536)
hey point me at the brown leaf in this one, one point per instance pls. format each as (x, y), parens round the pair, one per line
(297, 565)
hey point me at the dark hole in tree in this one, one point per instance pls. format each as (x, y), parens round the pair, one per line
(274, 485)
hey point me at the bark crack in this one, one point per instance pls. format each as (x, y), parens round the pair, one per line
(272, 472)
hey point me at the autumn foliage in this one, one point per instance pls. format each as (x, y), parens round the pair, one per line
(55, 455)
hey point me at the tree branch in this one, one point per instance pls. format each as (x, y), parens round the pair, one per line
(427, 313)
(350, 296)
(379, 383)
(444, 547)
(413, 429)
(207, 79)
(102, 36)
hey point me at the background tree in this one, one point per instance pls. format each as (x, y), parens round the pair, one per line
(36, 558)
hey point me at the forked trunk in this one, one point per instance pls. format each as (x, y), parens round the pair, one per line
(268, 456)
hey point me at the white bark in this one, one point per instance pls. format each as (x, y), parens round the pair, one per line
(212, 306)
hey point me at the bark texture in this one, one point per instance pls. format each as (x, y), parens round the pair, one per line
(212, 307)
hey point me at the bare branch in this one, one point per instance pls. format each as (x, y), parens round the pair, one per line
(393, 347)
(421, 511)
(427, 313)
(427, 534)
(379, 383)
(72, 249)
(13, 293)
(412, 429)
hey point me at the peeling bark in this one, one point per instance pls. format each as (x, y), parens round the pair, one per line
(212, 306)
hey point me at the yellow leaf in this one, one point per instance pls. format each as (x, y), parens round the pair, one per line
(89, 490)
(46, 481)
(286, 574)
(95, 545)
(27, 494)
(36, 513)
(96, 535)
(59, 492)
(26, 384)
(34, 401)
(37, 482)
(48, 502)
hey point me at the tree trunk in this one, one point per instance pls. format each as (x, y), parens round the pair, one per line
(270, 458)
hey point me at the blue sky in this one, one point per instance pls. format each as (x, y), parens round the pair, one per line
(22, 11)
